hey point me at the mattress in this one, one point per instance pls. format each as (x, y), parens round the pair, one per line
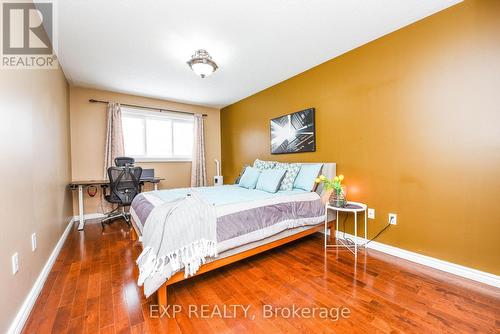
(243, 215)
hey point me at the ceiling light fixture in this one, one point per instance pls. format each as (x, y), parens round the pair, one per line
(202, 64)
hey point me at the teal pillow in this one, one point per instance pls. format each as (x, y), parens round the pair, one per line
(291, 173)
(237, 180)
(270, 180)
(307, 175)
(249, 178)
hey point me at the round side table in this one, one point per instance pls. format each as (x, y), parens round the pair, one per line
(355, 208)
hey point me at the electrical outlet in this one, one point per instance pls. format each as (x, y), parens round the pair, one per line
(33, 242)
(371, 213)
(393, 219)
(15, 263)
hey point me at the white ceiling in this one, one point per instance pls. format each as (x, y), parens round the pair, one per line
(141, 47)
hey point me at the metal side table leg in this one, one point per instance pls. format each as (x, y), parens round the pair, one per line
(336, 225)
(355, 234)
(366, 228)
(326, 223)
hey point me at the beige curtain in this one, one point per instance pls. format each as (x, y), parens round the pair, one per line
(198, 168)
(114, 136)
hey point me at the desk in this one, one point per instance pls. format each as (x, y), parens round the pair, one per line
(87, 183)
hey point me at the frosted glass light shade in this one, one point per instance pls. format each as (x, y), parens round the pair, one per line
(202, 69)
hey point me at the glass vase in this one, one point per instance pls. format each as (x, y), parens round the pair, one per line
(338, 197)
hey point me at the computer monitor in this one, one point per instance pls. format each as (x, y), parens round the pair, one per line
(148, 173)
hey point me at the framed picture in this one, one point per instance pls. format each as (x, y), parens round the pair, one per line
(293, 133)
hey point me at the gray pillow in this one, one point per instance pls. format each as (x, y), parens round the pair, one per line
(292, 170)
(263, 164)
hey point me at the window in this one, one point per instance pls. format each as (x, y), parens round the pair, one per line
(155, 136)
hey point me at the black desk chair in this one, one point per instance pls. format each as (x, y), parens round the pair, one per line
(120, 162)
(124, 161)
(124, 183)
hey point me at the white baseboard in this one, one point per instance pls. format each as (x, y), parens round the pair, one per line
(25, 310)
(88, 216)
(452, 268)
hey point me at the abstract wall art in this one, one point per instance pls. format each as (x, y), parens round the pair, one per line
(293, 133)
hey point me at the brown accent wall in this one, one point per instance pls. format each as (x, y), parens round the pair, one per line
(413, 122)
(88, 129)
(35, 169)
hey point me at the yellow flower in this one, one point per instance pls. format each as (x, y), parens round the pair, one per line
(341, 177)
(336, 179)
(322, 177)
(318, 180)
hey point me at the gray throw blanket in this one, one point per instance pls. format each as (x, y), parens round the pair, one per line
(178, 234)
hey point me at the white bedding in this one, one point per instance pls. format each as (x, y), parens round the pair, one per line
(242, 216)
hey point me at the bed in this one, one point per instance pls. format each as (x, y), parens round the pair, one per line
(248, 222)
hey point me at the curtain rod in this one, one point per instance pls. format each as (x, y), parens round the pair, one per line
(144, 107)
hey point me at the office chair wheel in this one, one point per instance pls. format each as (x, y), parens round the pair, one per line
(112, 216)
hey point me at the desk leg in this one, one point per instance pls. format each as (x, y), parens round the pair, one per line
(156, 186)
(81, 221)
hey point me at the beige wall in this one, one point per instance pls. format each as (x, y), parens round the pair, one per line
(88, 128)
(413, 121)
(35, 169)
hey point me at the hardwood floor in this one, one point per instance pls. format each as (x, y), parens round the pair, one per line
(92, 289)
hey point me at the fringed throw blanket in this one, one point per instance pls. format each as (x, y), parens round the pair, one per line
(178, 234)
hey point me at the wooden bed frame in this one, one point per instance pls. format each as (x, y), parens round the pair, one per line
(162, 294)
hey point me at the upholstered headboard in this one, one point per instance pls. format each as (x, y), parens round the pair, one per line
(329, 170)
